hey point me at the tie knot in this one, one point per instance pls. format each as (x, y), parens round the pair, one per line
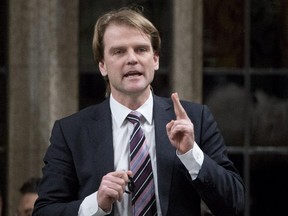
(134, 117)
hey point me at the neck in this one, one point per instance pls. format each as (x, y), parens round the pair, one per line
(132, 101)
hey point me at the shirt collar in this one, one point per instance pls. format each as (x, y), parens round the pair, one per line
(120, 112)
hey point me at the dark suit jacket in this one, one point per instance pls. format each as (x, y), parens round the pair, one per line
(81, 153)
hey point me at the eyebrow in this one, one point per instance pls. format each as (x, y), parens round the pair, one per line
(116, 48)
(112, 48)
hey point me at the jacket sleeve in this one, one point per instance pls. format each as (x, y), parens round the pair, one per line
(218, 183)
(59, 187)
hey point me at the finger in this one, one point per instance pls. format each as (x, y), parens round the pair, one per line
(123, 174)
(117, 179)
(169, 127)
(118, 174)
(129, 173)
(178, 109)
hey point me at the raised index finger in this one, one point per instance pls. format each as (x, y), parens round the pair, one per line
(178, 109)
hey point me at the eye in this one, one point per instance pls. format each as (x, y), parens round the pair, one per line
(142, 49)
(118, 52)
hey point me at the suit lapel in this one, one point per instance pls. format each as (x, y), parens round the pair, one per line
(100, 130)
(165, 152)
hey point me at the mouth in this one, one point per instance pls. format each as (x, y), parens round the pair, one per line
(132, 74)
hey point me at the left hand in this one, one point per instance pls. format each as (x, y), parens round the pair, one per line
(180, 131)
(112, 188)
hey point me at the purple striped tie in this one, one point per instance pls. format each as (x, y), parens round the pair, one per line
(143, 194)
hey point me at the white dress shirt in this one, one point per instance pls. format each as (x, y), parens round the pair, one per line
(122, 130)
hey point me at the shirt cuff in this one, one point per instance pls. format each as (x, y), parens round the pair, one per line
(89, 207)
(192, 160)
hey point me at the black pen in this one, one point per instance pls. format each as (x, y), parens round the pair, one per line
(131, 185)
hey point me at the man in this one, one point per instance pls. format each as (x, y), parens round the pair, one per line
(89, 166)
(28, 196)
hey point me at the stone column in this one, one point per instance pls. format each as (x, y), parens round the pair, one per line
(43, 82)
(187, 49)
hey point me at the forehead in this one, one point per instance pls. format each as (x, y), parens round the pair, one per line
(115, 34)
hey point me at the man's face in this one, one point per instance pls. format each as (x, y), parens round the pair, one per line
(129, 60)
(26, 204)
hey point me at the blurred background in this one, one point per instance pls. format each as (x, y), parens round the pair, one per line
(230, 55)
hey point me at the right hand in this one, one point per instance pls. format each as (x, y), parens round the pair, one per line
(180, 131)
(112, 188)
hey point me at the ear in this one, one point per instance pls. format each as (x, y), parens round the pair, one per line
(102, 68)
(156, 61)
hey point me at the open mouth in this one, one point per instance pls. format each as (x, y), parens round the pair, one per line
(132, 73)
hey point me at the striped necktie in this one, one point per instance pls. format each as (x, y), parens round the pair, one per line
(143, 194)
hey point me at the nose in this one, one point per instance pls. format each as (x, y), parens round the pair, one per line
(131, 58)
